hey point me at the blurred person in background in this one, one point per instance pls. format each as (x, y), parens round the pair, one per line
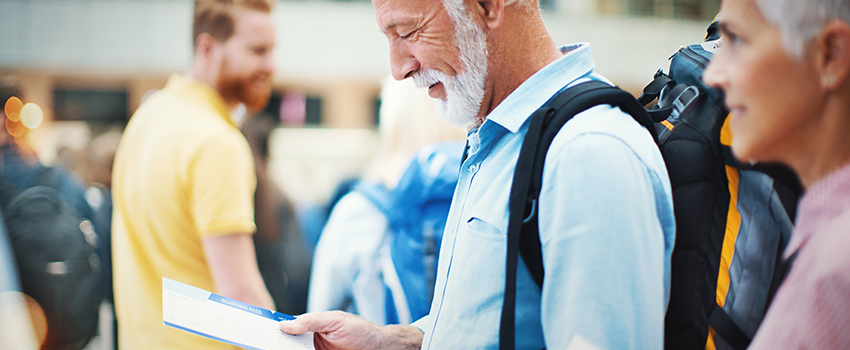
(17, 331)
(784, 66)
(101, 156)
(283, 254)
(19, 165)
(183, 180)
(348, 272)
(21, 170)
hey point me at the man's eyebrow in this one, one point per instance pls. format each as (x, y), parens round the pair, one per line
(393, 24)
(388, 28)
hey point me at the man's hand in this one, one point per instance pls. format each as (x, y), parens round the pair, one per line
(337, 330)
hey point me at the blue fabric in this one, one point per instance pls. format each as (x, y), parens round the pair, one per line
(416, 211)
(9, 280)
(422, 202)
(606, 227)
(20, 171)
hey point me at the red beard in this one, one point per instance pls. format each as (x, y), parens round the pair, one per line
(244, 89)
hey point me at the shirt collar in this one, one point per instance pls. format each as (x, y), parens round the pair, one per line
(576, 62)
(186, 86)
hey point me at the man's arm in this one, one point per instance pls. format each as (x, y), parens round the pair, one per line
(233, 265)
(340, 330)
(603, 243)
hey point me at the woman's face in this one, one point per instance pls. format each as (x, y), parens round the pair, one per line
(771, 95)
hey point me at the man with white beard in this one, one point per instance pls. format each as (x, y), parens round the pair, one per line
(184, 181)
(605, 215)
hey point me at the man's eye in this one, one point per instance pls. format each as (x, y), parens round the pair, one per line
(407, 36)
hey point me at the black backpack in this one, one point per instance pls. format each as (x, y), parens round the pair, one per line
(57, 263)
(708, 308)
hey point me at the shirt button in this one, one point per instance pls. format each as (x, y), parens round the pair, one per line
(473, 168)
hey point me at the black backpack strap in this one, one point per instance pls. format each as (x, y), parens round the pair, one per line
(727, 329)
(653, 90)
(523, 236)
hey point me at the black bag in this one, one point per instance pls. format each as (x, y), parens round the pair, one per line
(733, 220)
(55, 252)
(708, 309)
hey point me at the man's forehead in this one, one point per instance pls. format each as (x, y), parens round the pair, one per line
(251, 23)
(392, 13)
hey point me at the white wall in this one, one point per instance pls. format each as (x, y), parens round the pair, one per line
(318, 42)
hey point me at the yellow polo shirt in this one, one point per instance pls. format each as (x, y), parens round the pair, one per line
(183, 171)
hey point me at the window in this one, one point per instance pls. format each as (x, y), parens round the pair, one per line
(102, 106)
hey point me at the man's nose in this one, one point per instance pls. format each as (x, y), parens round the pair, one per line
(402, 61)
(268, 64)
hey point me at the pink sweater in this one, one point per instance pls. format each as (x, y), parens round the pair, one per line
(812, 307)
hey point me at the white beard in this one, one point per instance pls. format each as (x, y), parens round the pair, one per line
(464, 91)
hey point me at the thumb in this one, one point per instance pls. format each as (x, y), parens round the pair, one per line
(312, 322)
(296, 326)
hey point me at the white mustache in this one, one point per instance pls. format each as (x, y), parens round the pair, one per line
(427, 77)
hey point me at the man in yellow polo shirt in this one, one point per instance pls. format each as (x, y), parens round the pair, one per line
(183, 180)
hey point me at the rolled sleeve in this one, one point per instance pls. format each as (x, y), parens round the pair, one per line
(222, 184)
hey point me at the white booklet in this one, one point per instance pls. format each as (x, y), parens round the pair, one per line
(213, 316)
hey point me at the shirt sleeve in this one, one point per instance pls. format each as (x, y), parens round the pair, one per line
(221, 186)
(603, 246)
(424, 323)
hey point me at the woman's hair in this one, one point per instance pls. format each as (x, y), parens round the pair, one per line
(800, 20)
(408, 121)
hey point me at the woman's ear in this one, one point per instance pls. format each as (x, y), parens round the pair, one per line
(832, 54)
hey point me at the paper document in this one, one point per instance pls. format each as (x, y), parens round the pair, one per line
(213, 316)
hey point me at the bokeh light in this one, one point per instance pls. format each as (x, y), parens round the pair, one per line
(31, 115)
(13, 116)
(23, 320)
(16, 129)
(13, 105)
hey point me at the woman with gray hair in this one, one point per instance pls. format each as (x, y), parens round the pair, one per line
(784, 66)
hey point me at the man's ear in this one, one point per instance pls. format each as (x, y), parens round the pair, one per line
(833, 54)
(491, 12)
(204, 45)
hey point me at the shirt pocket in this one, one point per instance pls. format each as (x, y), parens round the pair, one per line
(482, 229)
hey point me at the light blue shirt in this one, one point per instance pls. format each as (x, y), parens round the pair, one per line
(606, 227)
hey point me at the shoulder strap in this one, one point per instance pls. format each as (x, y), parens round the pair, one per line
(523, 236)
(726, 328)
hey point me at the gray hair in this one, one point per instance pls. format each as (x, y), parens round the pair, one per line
(519, 2)
(457, 7)
(460, 15)
(800, 20)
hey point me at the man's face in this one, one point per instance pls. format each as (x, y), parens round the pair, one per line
(770, 93)
(449, 59)
(247, 67)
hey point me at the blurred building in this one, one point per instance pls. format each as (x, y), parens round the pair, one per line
(94, 60)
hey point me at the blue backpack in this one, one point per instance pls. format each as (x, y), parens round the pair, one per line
(416, 212)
